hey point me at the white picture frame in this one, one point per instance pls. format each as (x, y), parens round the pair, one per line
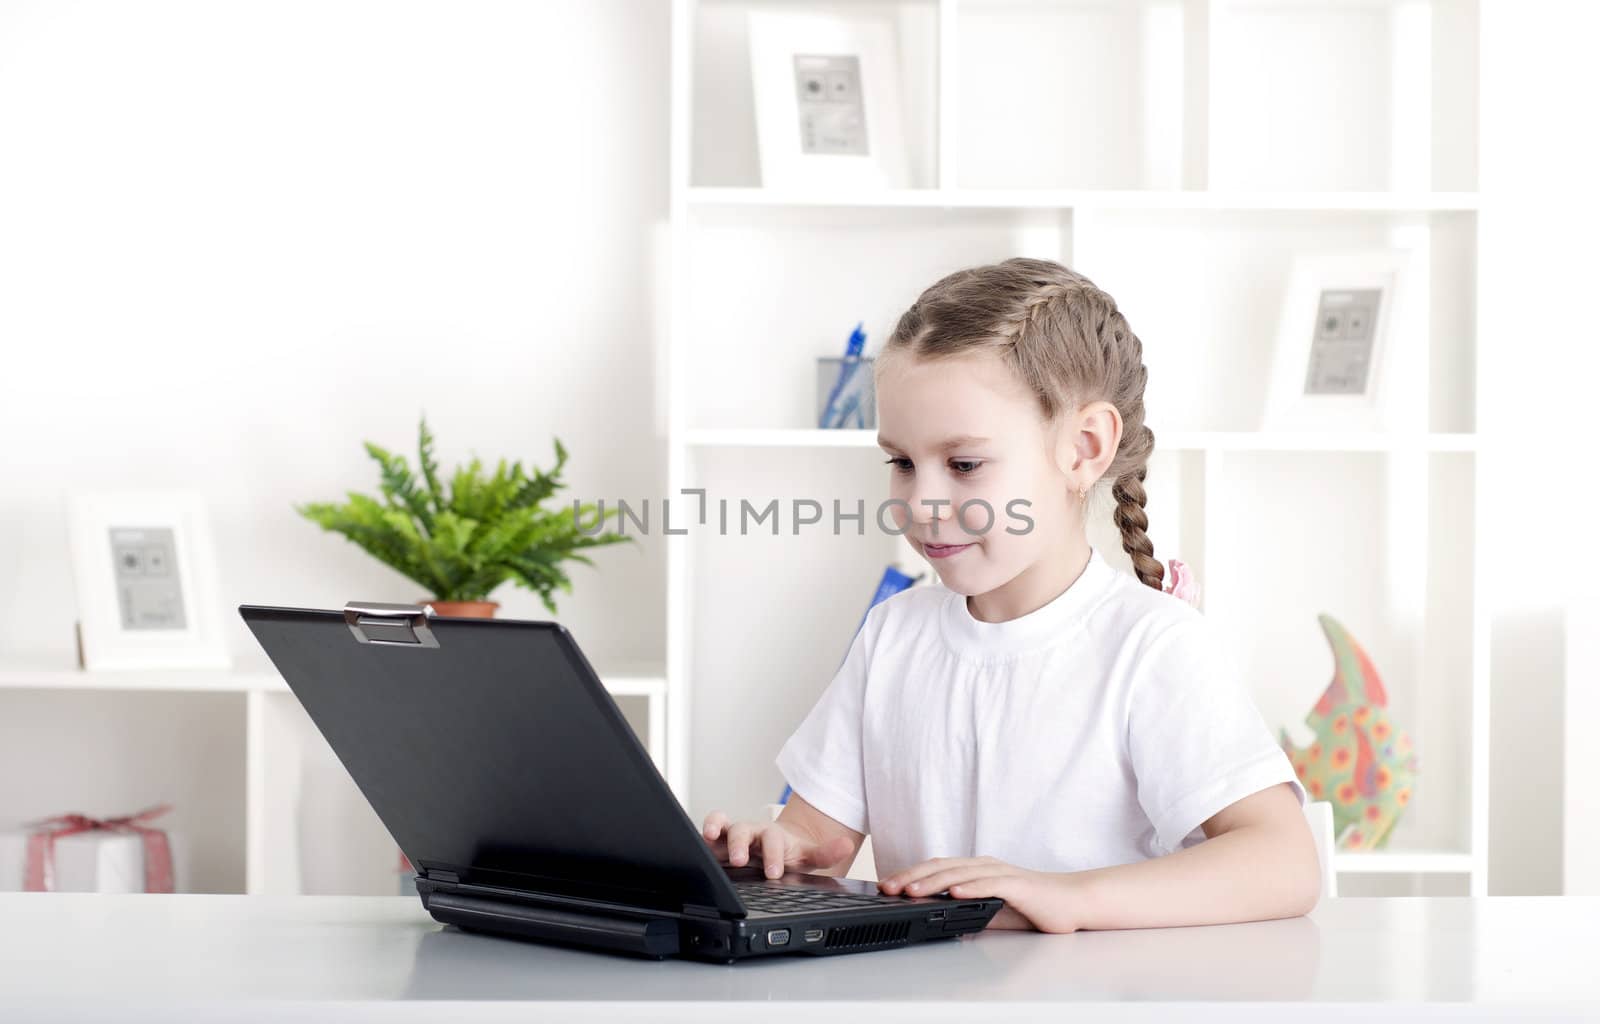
(795, 146)
(144, 572)
(1335, 366)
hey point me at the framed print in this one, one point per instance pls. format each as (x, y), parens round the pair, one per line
(1334, 365)
(145, 578)
(827, 100)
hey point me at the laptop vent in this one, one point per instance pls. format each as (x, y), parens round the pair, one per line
(861, 936)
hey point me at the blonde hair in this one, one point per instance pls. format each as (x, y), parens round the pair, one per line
(1064, 339)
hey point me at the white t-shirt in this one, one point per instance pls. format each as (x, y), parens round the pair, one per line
(1099, 729)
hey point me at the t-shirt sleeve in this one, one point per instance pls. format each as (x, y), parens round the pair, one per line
(823, 759)
(1196, 739)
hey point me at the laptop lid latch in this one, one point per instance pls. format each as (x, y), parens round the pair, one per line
(396, 625)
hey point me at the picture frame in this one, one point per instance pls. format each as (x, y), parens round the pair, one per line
(1335, 365)
(144, 572)
(826, 89)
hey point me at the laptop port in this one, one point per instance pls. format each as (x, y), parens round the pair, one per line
(778, 937)
(813, 934)
(937, 915)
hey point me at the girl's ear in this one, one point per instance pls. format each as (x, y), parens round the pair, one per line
(1087, 442)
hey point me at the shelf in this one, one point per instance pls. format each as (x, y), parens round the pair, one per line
(1419, 862)
(1090, 199)
(779, 438)
(1285, 441)
(47, 674)
(1204, 289)
(635, 685)
(51, 674)
(1235, 441)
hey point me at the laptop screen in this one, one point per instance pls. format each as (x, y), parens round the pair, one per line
(497, 755)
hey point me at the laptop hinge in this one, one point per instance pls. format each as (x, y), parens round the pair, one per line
(697, 910)
(435, 875)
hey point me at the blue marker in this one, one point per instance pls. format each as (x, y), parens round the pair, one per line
(857, 342)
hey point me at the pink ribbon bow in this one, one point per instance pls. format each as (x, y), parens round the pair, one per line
(1181, 583)
(39, 875)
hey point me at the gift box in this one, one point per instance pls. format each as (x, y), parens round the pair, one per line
(76, 853)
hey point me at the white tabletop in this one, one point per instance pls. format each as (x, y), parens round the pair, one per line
(80, 956)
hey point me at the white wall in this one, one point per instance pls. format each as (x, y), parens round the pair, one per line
(1540, 164)
(236, 239)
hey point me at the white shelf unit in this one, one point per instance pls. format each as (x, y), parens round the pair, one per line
(280, 742)
(1178, 152)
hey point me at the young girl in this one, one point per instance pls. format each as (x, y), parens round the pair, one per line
(1038, 726)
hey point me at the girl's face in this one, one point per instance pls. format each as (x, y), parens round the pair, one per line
(976, 463)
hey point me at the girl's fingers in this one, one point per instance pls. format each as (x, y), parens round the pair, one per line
(712, 833)
(732, 843)
(900, 879)
(739, 835)
(716, 821)
(773, 842)
(942, 880)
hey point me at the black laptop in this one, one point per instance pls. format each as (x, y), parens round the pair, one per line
(514, 785)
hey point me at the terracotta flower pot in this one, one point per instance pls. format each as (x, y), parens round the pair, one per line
(463, 609)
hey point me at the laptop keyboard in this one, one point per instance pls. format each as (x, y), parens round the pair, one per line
(790, 899)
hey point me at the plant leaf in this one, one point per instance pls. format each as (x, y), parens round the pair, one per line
(463, 542)
(399, 486)
(430, 469)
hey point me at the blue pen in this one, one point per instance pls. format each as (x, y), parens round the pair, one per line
(858, 341)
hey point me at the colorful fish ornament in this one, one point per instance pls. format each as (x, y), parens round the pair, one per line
(1360, 762)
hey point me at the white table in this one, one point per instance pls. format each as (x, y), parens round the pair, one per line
(79, 956)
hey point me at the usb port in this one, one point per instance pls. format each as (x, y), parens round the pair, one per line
(778, 937)
(813, 934)
(937, 915)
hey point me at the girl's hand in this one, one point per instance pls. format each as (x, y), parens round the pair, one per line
(1041, 900)
(780, 847)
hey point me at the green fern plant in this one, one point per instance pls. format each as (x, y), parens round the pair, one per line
(462, 542)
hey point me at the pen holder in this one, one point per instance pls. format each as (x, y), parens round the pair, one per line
(845, 395)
